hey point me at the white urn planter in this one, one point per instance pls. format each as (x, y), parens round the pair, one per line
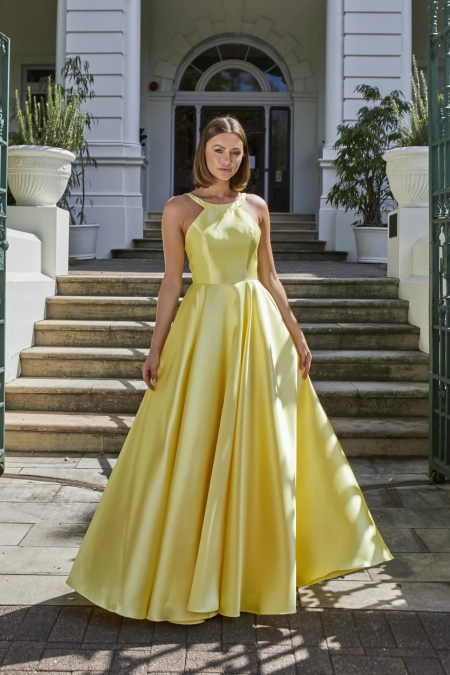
(407, 172)
(83, 241)
(38, 174)
(371, 244)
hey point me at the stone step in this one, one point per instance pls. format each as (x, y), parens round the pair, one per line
(295, 285)
(276, 228)
(116, 362)
(339, 399)
(278, 243)
(317, 310)
(88, 432)
(67, 333)
(275, 217)
(283, 252)
(284, 235)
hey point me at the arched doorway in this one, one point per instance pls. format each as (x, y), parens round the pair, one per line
(236, 78)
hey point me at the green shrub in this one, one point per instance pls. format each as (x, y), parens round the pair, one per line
(59, 122)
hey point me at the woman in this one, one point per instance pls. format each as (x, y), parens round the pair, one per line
(231, 489)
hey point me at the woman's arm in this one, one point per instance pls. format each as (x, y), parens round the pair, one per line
(267, 275)
(171, 286)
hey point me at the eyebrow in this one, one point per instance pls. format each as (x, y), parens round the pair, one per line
(217, 145)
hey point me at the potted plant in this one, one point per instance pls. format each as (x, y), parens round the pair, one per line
(50, 133)
(362, 186)
(82, 235)
(407, 163)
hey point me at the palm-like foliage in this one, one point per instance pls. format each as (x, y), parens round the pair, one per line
(415, 133)
(58, 123)
(362, 186)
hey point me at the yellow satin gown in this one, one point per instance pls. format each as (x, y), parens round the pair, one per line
(231, 488)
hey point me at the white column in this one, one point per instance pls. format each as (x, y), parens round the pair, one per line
(406, 49)
(334, 101)
(61, 27)
(107, 35)
(132, 72)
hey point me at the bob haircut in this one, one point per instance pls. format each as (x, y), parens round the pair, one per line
(202, 177)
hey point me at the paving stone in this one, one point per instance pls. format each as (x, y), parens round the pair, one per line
(28, 492)
(170, 633)
(239, 629)
(76, 659)
(312, 661)
(96, 476)
(408, 630)
(428, 498)
(167, 658)
(33, 589)
(306, 629)
(402, 540)
(23, 655)
(11, 534)
(71, 624)
(419, 666)
(402, 652)
(401, 466)
(139, 631)
(3, 654)
(222, 661)
(414, 567)
(444, 658)
(344, 594)
(36, 560)
(276, 659)
(103, 626)
(437, 627)
(436, 540)
(415, 518)
(10, 619)
(373, 629)
(37, 624)
(72, 495)
(340, 630)
(106, 461)
(381, 497)
(364, 665)
(130, 662)
(272, 628)
(47, 513)
(209, 632)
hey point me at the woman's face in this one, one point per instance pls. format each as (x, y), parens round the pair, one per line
(224, 154)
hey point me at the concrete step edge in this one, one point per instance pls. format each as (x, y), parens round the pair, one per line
(125, 386)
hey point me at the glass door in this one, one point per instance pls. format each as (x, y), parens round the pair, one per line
(279, 160)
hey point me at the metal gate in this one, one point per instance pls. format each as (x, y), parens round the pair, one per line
(439, 142)
(4, 119)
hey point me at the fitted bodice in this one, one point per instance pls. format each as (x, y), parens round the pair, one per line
(222, 243)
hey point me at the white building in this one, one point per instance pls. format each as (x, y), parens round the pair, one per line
(288, 68)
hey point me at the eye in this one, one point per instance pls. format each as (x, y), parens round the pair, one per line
(218, 150)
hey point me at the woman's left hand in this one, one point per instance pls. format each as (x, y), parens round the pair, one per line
(304, 356)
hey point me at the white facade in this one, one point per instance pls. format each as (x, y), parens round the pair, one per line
(323, 48)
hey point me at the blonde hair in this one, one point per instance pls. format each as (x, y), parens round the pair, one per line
(202, 177)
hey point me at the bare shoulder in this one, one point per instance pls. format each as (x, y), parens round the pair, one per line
(175, 207)
(258, 206)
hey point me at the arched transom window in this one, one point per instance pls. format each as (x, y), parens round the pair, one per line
(233, 67)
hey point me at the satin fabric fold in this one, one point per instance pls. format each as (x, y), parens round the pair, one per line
(231, 488)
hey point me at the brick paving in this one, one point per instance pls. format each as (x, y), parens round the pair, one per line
(320, 642)
(391, 619)
(325, 269)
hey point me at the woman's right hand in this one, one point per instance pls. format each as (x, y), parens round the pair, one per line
(150, 370)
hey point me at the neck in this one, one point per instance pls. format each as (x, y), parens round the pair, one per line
(220, 190)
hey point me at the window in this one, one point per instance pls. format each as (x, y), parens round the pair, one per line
(233, 79)
(35, 77)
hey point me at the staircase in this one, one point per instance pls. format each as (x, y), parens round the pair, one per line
(81, 383)
(293, 236)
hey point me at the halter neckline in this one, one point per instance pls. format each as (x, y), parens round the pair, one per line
(237, 201)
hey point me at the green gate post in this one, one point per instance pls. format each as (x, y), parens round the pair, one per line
(4, 119)
(439, 144)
